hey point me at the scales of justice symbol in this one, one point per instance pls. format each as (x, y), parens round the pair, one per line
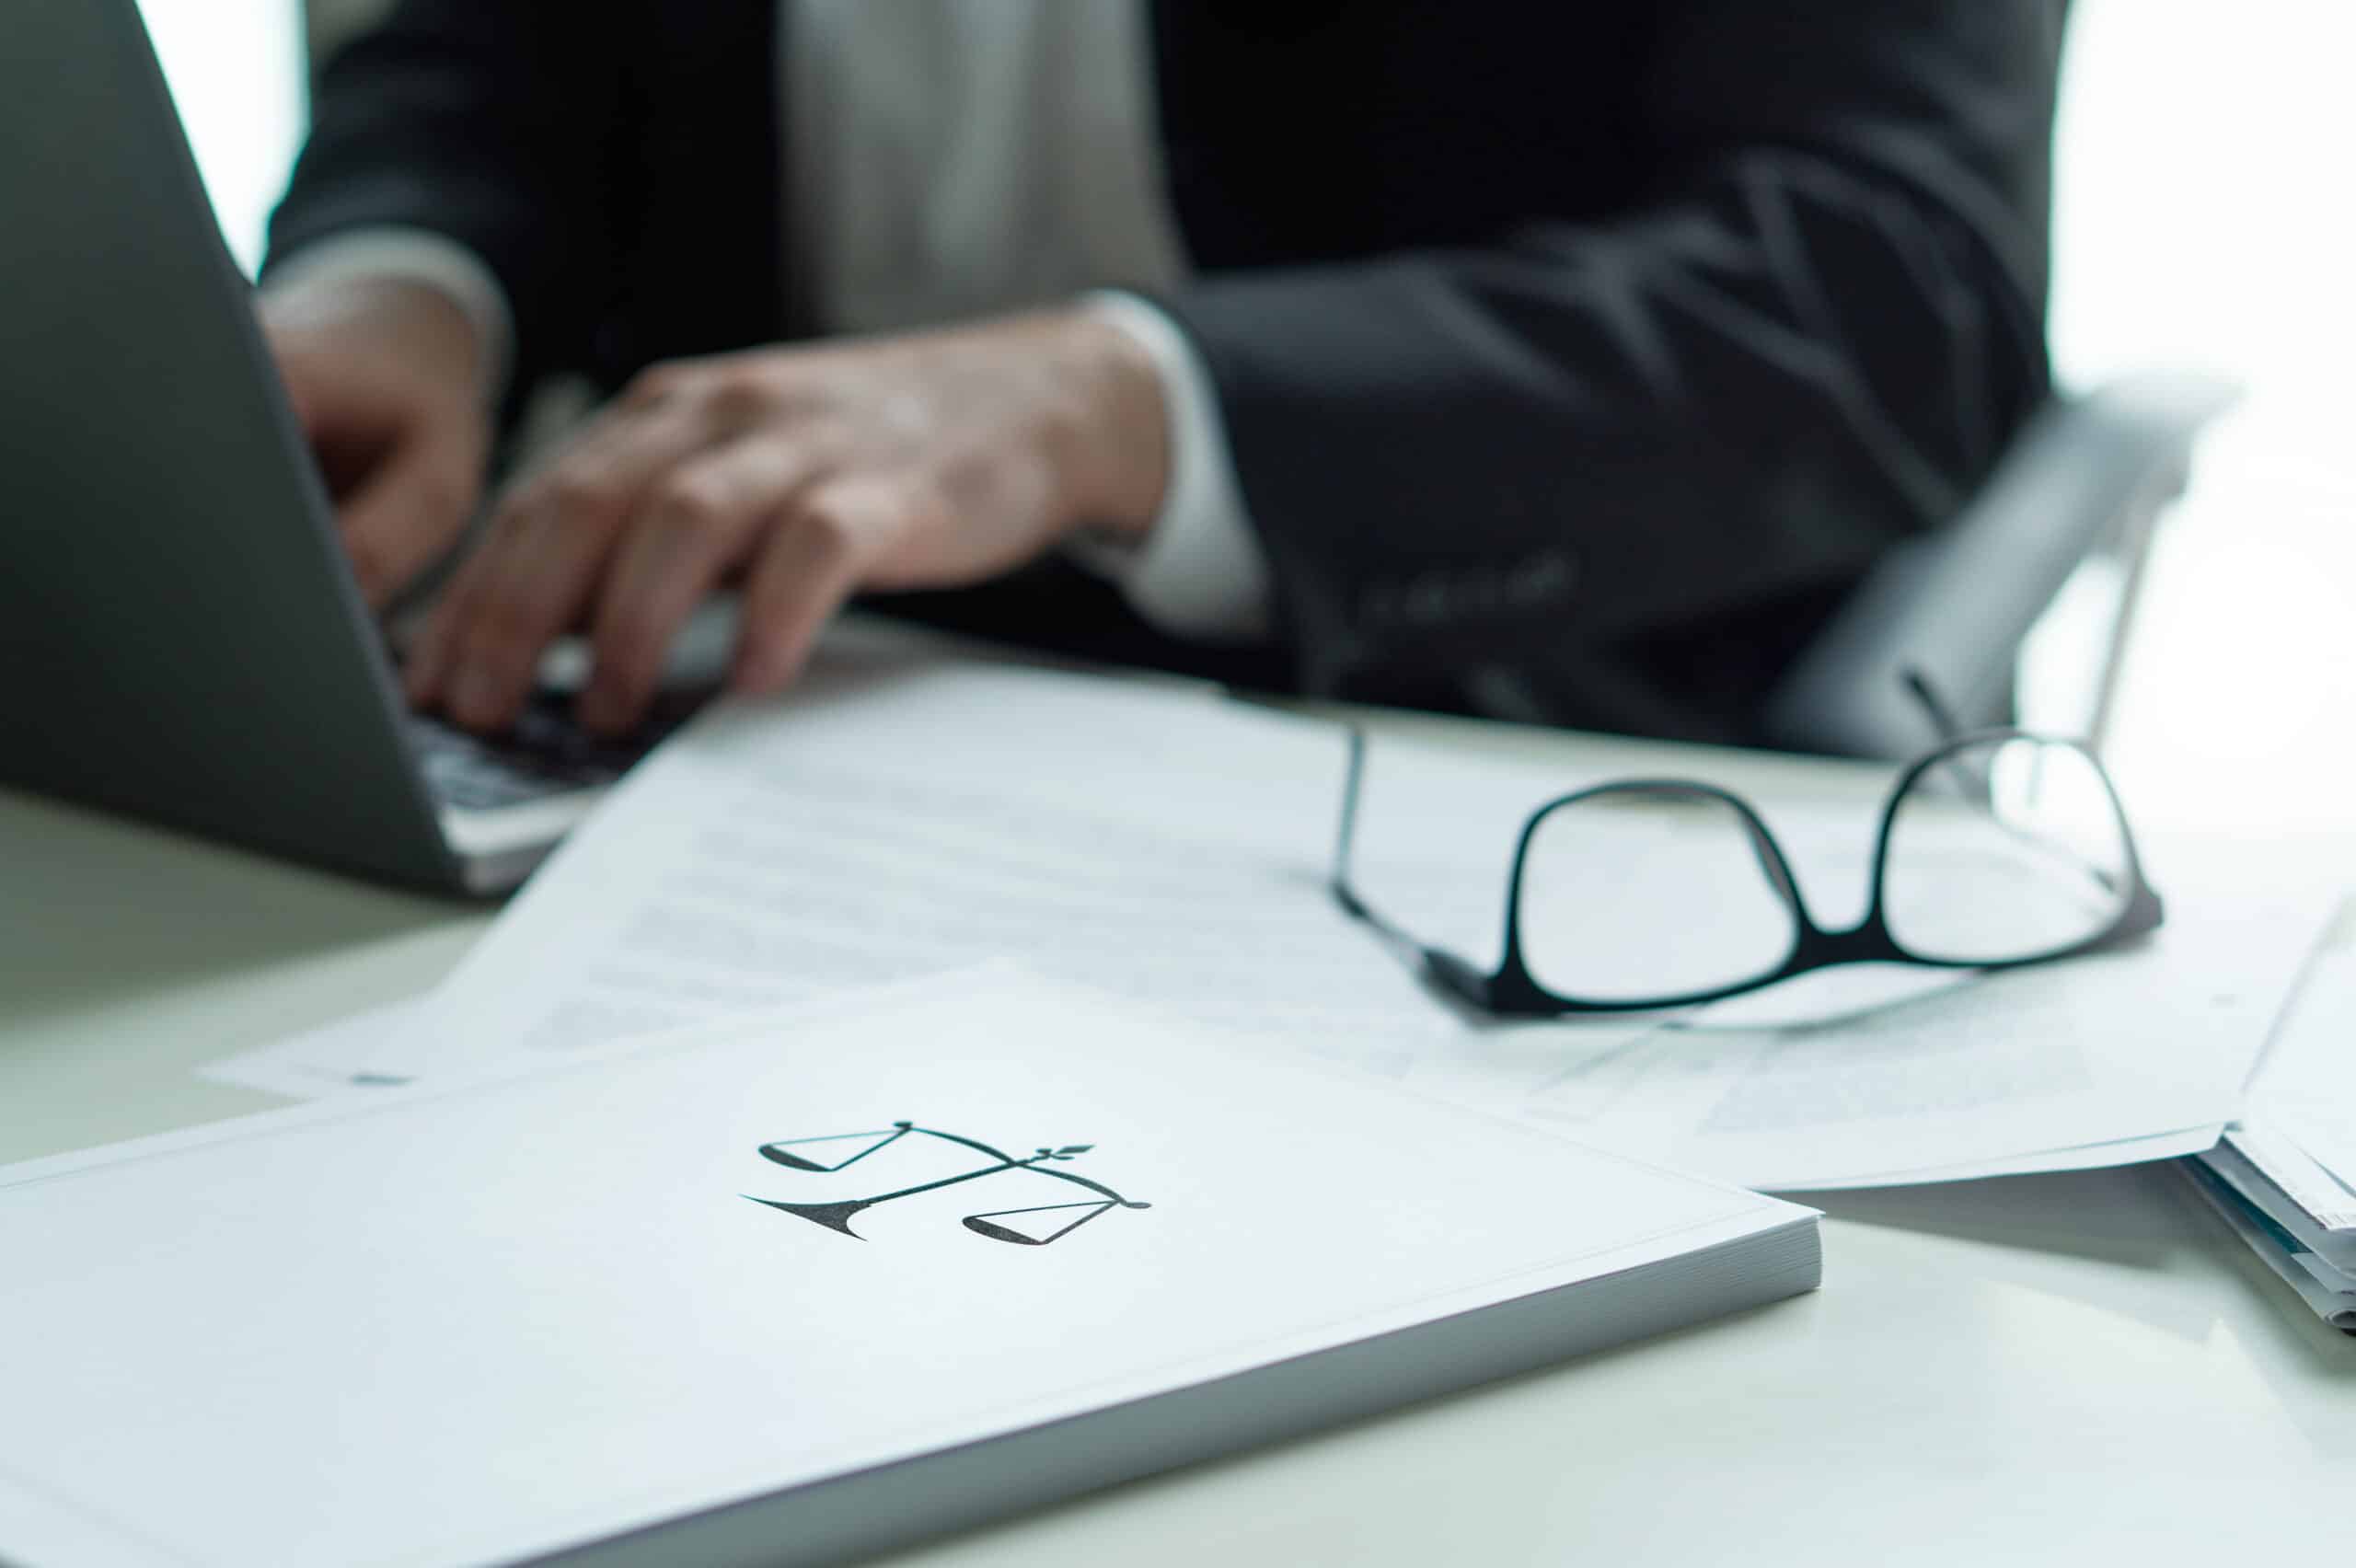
(837, 1215)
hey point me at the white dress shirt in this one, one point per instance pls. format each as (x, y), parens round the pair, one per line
(946, 160)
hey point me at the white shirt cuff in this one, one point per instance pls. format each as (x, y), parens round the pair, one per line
(1202, 573)
(423, 257)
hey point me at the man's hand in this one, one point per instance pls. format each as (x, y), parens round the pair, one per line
(933, 460)
(385, 376)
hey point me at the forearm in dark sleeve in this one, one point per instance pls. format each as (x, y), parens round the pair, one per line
(486, 122)
(1812, 338)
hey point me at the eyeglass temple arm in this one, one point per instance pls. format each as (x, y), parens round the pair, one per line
(1919, 686)
(1943, 720)
(1346, 837)
(1344, 842)
(1445, 967)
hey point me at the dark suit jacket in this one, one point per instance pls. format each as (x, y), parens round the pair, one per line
(1575, 359)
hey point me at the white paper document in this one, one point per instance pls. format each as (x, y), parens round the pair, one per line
(2145, 1050)
(2336, 1247)
(1162, 845)
(1173, 847)
(331, 1059)
(2322, 1197)
(2085, 1157)
(979, 1216)
(2325, 1290)
(2305, 1096)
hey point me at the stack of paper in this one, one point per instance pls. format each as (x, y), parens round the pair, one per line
(2285, 1178)
(1166, 845)
(795, 1286)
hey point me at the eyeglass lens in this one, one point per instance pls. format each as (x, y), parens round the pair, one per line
(2009, 849)
(1644, 892)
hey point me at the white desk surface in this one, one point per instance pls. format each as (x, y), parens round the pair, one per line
(2037, 1369)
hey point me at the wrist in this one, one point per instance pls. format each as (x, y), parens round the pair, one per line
(1116, 454)
(415, 322)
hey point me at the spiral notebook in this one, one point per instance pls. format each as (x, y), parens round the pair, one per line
(793, 1288)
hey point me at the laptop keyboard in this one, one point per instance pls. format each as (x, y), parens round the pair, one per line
(544, 753)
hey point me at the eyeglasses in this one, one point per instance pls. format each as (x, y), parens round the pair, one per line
(1995, 850)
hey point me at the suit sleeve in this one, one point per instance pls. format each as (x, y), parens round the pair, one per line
(1487, 477)
(489, 125)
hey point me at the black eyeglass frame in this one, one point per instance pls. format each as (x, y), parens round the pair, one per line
(1512, 991)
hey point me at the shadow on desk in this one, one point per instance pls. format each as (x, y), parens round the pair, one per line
(99, 906)
(2139, 1219)
(2095, 1215)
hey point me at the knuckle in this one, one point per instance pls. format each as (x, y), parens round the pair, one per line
(736, 395)
(629, 645)
(443, 495)
(504, 622)
(368, 556)
(692, 501)
(573, 489)
(830, 529)
(511, 505)
(654, 384)
(925, 509)
(486, 651)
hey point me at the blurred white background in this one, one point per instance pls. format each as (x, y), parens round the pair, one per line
(2203, 219)
(236, 69)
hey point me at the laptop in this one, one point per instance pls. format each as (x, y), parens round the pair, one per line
(180, 638)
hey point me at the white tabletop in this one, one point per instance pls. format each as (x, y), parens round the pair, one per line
(2032, 1369)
